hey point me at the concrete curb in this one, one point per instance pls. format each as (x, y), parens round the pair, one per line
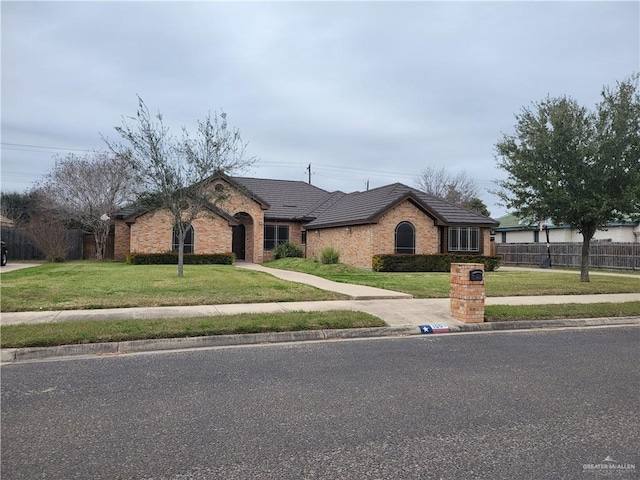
(534, 324)
(18, 355)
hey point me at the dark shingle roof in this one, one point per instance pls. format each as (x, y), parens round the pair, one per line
(297, 200)
(287, 199)
(366, 207)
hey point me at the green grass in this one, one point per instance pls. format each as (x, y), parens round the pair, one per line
(436, 285)
(94, 331)
(501, 313)
(84, 285)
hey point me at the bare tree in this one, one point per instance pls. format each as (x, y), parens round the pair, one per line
(459, 189)
(89, 189)
(17, 206)
(173, 172)
(47, 228)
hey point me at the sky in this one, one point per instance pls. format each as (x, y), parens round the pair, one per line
(367, 93)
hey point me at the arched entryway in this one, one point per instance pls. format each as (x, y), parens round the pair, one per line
(242, 237)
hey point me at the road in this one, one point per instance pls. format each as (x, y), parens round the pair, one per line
(526, 405)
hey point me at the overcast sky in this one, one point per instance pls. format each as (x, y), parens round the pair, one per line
(362, 91)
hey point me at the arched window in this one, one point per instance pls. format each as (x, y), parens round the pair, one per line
(188, 240)
(405, 238)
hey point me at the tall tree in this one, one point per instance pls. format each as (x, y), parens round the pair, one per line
(455, 188)
(173, 171)
(575, 166)
(89, 189)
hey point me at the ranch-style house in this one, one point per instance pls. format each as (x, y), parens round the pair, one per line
(256, 214)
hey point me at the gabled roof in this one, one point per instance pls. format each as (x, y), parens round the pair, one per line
(367, 207)
(130, 214)
(287, 199)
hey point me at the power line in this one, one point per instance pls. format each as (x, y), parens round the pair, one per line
(42, 146)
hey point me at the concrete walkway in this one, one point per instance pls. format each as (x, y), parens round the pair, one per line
(354, 292)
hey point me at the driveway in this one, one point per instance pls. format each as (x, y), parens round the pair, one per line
(10, 267)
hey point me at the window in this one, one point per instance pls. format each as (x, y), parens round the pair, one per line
(405, 238)
(504, 237)
(188, 241)
(536, 236)
(464, 239)
(275, 235)
(303, 237)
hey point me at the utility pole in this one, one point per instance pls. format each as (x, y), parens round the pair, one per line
(309, 170)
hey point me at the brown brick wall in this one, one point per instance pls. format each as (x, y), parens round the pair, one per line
(427, 234)
(153, 232)
(353, 243)
(122, 240)
(358, 244)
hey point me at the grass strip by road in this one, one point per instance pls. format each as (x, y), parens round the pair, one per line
(436, 285)
(95, 331)
(503, 313)
(87, 284)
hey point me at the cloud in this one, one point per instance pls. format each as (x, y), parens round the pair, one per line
(361, 90)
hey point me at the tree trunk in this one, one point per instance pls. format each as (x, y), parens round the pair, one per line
(587, 234)
(181, 254)
(101, 238)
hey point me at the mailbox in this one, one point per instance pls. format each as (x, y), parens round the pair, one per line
(475, 275)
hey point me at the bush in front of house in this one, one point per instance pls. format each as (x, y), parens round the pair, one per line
(429, 263)
(287, 250)
(171, 258)
(329, 256)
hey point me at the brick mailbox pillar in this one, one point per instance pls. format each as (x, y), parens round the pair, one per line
(467, 292)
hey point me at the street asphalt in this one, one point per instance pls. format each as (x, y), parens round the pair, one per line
(403, 314)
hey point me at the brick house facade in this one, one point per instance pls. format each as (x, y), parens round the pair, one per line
(255, 215)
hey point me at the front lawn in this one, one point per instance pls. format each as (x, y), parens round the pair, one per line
(502, 313)
(95, 331)
(436, 285)
(82, 285)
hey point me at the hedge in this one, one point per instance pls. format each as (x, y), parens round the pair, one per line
(429, 263)
(171, 258)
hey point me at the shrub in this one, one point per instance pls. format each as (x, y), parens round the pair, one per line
(329, 256)
(171, 258)
(287, 250)
(429, 263)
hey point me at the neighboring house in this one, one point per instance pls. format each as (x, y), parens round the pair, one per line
(514, 230)
(258, 214)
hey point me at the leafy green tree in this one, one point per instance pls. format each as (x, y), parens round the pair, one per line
(172, 172)
(575, 166)
(478, 206)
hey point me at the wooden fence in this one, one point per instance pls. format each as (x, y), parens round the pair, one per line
(19, 247)
(624, 256)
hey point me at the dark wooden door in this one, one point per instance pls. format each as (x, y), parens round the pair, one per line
(238, 241)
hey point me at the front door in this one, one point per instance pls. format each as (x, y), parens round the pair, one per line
(237, 242)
